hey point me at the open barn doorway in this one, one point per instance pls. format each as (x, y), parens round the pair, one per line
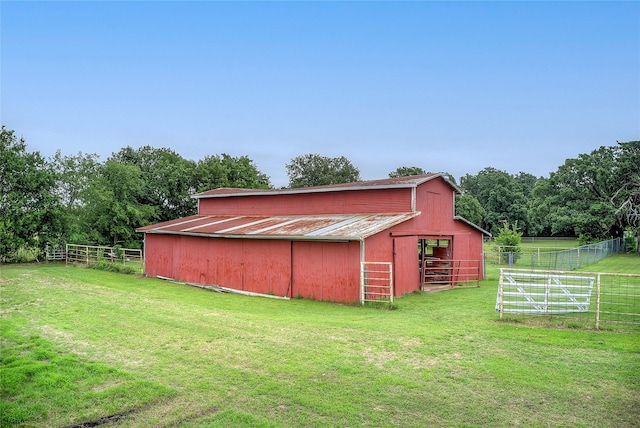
(435, 261)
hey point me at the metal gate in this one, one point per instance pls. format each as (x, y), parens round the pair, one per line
(582, 297)
(376, 282)
(90, 254)
(543, 293)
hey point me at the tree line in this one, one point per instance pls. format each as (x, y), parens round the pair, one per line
(81, 199)
(594, 196)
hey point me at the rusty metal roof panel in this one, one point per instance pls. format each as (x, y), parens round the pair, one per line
(340, 226)
(227, 224)
(193, 224)
(171, 223)
(370, 225)
(301, 225)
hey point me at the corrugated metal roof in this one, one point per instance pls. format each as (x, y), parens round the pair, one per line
(299, 227)
(386, 183)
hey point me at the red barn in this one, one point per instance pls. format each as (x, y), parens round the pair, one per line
(343, 243)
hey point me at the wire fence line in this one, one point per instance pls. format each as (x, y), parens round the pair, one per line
(562, 260)
(584, 299)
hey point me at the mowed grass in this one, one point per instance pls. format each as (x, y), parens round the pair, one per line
(143, 352)
(538, 244)
(550, 243)
(621, 263)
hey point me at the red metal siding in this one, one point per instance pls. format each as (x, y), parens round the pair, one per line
(435, 200)
(434, 211)
(250, 265)
(475, 250)
(267, 266)
(467, 245)
(177, 257)
(227, 268)
(327, 271)
(461, 247)
(193, 256)
(159, 255)
(407, 268)
(345, 202)
(378, 248)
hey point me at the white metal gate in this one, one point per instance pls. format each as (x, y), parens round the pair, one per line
(599, 297)
(376, 282)
(543, 293)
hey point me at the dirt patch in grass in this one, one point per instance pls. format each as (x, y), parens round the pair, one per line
(102, 421)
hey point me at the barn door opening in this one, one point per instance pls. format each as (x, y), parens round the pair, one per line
(435, 261)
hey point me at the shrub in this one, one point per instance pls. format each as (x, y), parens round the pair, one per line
(23, 254)
(509, 240)
(113, 267)
(630, 241)
(584, 239)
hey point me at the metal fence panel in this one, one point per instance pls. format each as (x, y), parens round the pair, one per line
(593, 299)
(377, 282)
(90, 254)
(562, 260)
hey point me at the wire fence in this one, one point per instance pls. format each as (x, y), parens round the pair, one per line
(544, 258)
(579, 300)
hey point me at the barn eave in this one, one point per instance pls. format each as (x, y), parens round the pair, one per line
(261, 237)
(343, 228)
(388, 183)
(475, 226)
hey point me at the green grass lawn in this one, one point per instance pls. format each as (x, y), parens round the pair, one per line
(82, 345)
(543, 244)
(542, 253)
(621, 263)
(551, 243)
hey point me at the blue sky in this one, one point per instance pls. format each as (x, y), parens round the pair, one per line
(446, 86)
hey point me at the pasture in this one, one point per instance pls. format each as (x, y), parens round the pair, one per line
(82, 346)
(532, 244)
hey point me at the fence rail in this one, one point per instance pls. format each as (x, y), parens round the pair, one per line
(562, 260)
(450, 272)
(591, 298)
(89, 254)
(377, 282)
(55, 253)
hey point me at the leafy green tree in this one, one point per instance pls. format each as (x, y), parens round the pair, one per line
(508, 240)
(227, 171)
(115, 210)
(405, 171)
(503, 196)
(168, 180)
(627, 197)
(591, 196)
(74, 174)
(540, 206)
(316, 170)
(29, 208)
(468, 207)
